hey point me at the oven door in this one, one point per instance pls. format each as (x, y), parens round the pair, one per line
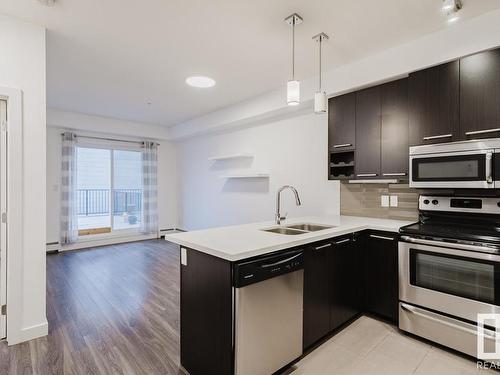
(460, 283)
(465, 169)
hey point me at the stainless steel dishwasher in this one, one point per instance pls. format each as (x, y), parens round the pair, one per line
(268, 310)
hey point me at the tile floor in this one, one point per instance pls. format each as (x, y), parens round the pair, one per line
(381, 349)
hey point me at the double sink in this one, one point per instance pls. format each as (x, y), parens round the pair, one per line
(295, 229)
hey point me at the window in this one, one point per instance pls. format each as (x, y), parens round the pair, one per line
(109, 183)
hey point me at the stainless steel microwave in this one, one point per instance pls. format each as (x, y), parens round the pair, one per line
(456, 165)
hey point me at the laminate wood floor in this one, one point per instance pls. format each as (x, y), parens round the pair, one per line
(111, 310)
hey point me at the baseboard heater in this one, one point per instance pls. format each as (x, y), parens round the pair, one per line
(163, 232)
(53, 247)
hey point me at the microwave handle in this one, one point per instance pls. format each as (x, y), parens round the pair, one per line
(489, 167)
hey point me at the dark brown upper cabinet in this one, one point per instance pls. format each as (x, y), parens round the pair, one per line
(394, 130)
(341, 122)
(368, 126)
(480, 95)
(434, 104)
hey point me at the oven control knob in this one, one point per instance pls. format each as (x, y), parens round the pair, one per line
(435, 201)
(426, 201)
(498, 204)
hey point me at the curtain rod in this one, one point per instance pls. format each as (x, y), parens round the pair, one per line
(109, 139)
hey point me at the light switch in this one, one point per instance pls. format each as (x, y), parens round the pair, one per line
(384, 200)
(394, 200)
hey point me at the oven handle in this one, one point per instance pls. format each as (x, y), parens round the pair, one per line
(413, 310)
(458, 246)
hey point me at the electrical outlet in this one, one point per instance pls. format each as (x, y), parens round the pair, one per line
(394, 200)
(184, 256)
(384, 200)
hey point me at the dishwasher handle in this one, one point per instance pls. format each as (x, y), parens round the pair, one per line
(266, 267)
(281, 261)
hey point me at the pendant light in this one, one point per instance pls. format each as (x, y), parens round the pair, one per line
(293, 86)
(320, 96)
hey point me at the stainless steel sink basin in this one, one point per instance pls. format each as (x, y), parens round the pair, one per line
(308, 227)
(298, 228)
(283, 230)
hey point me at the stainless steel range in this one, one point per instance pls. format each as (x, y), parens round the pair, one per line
(449, 270)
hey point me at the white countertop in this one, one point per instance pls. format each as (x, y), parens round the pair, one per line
(239, 242)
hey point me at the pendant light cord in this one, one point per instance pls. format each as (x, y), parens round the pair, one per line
(320, 39)
(293, 49)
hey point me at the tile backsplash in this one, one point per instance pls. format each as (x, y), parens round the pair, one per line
(364, 200)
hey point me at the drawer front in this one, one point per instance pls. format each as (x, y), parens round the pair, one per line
(444, 330)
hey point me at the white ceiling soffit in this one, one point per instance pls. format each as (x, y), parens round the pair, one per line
(111, 58)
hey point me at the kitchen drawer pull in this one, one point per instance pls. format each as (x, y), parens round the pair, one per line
(483, 131)
(323, 246)
(437, 137)
(342, 241)
(382, 237)
(413, 310)
(367, 175)
(394, 174)
(342, 145)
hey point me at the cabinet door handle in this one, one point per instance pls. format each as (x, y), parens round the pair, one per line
(382, 237)
(343, 145)
(323, 246)
(394, 174)
(367, 175)
(342, 241)
(437, 137)
(483, 131)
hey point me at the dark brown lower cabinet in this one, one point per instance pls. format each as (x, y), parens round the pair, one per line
(332, 285)
(345, 296)
(206, 306)
(380, 260)
(316, 293)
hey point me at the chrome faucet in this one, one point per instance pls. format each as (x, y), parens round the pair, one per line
(280, 218)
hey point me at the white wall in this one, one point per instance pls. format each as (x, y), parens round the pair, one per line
(293, 151)
(22, 66)
(167, 162)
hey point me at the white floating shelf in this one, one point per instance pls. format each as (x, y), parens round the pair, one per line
(230, 157)
(247, 175)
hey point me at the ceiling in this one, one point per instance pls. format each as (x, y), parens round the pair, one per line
(113, 57)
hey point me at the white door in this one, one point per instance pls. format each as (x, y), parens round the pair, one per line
(3, 209)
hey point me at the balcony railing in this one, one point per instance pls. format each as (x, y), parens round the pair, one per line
(97, 201)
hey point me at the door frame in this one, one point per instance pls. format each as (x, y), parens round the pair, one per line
(3, 208)
(14, 213)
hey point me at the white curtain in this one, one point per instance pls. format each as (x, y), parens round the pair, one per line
(150, 187)
(69, 210)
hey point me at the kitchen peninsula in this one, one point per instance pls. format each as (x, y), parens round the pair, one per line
(253, 300)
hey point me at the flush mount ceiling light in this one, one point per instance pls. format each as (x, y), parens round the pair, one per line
(293, 86)
(451, 8)
(320, 95)
(47, 3)
(200, 81)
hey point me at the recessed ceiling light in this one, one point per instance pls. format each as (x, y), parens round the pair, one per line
(200, 81)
